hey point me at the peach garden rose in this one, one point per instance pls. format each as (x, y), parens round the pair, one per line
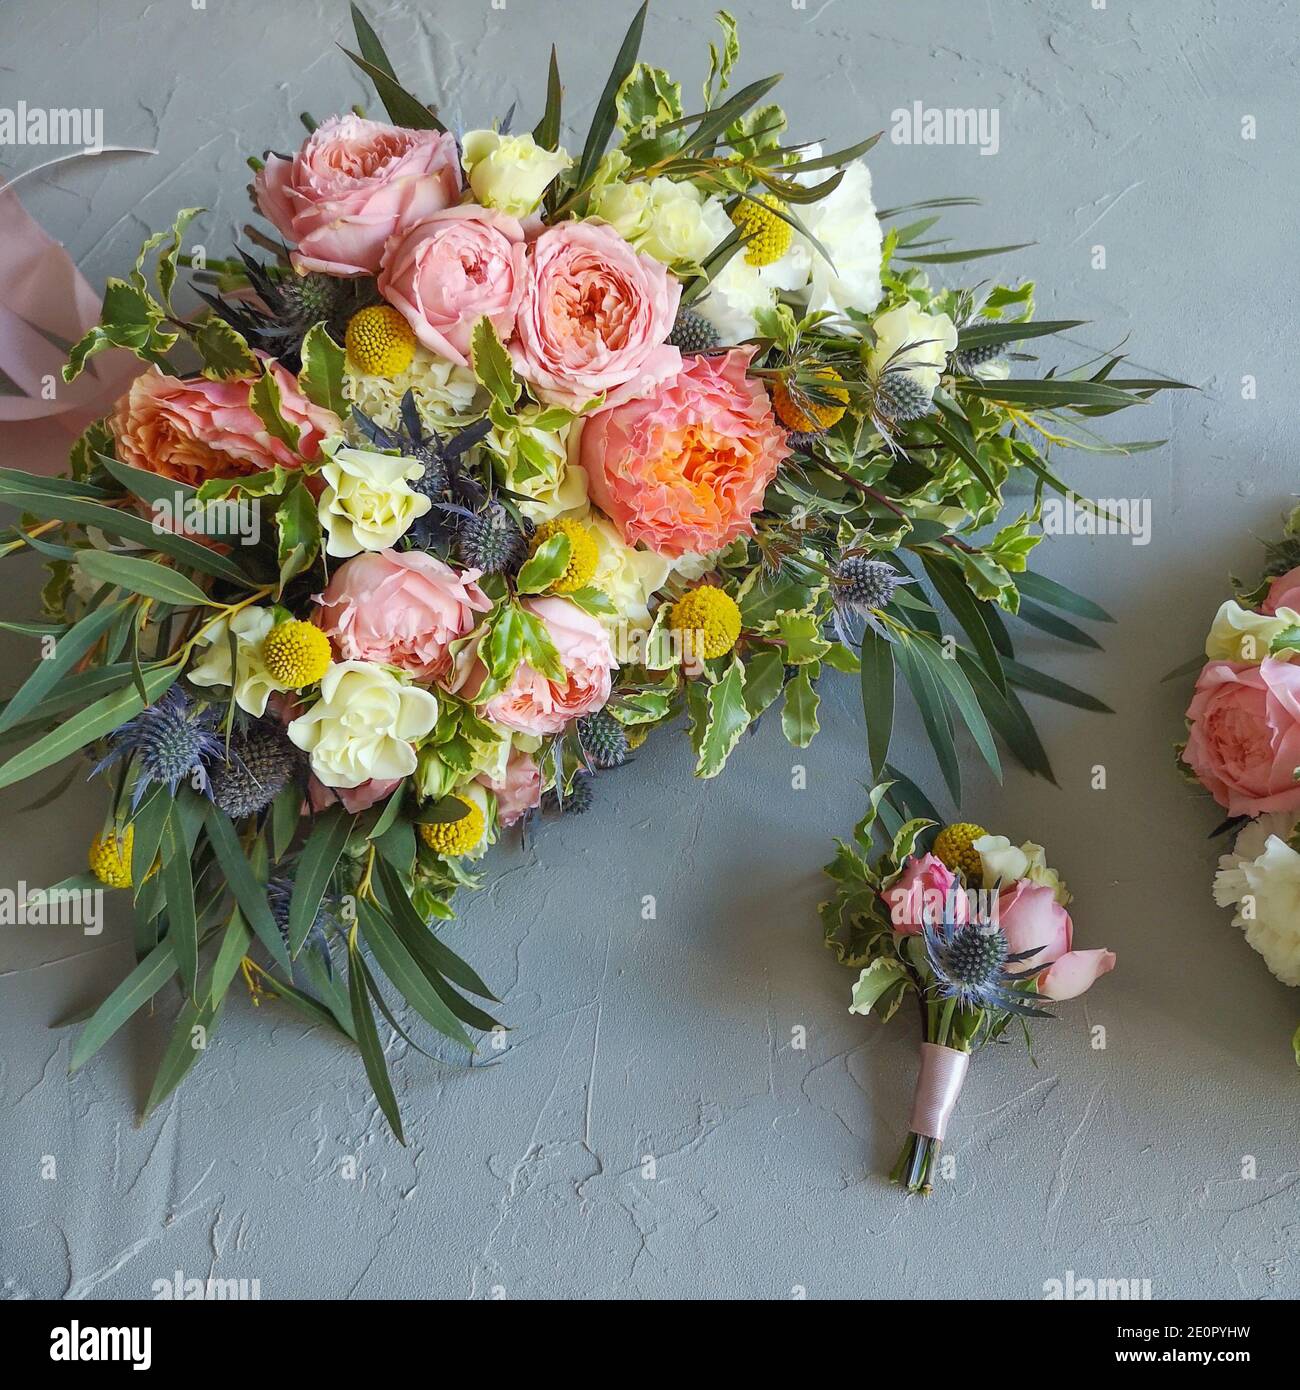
(594, 318)
(684, 470)
(445, 273)
(400, 608)
(352, 185)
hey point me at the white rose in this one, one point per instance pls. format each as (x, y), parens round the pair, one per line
(509, 172)
(364, 725)
(1237, 634)
(845, 223)
(683, 227)
(909, 339)
(535, 464)
(1000, 860)
(253, 683)
(625, 206)
(628, 577)
(368, 503)
(1267, 888)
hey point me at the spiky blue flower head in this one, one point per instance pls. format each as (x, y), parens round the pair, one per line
(171, 741)
(279, 896)
(969, 961)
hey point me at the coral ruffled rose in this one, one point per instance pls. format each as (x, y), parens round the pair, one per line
(452, 269)
(685, 470)
(533, 704)
(198, 429)
(519, 790)
(352, 185)
(400, 608)
(1243, 740)
(594, 318)
(1032, 920)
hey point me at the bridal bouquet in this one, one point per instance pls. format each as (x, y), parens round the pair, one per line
(486, 460)
(1243, 747)
(974, 928)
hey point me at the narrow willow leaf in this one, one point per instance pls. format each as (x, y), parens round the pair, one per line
(145, 577)
(403, 109)
(249, 892)
(235, 942)
(420, 940)
(877, 696)
(1009, 718)
(934, 713)
(1038, 586)
(194, 1028)
(137, 989)
(947, 672)
(372, 1054)
(1186, 668)
(315, 868)
(954, 257)
(983, 334)
(546, 132)
(371, 48)
(67, 651)
(178, 886)
(146, 834)
(606, 114)
(1038, 684)
(84, 727)
(285, 811)
(1047, 621)
(406, 975)
(151, 488)
(969, 612)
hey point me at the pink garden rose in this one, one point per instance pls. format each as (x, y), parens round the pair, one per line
(594, 318)
(197, 429)
(445, 273)
(925, 889)
(685, 469)
(354, 800)
(1283, 592)
(352, 185)
(519, 791)
(1243, 740)
(531, 703)
(400, 608)
(1032, 920)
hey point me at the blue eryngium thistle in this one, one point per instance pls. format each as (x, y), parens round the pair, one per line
(172, 740)
(969, 961)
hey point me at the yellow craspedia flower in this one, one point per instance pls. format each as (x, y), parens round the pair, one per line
(709, 614)
(955, 846)
(458, 836)
(296, 654)
(770, 235)
(110, 858)
(379, 341)
(806, 416)
(583, 555)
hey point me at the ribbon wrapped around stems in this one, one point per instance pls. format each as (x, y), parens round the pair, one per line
(939, 1083)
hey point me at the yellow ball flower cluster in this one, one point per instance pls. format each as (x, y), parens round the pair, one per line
(954, 845)
(807, 416)
(379, 341)
(110, 858)
(296, 654)
(711, 619)
(455, 837)
(770, 235)
(583, 555)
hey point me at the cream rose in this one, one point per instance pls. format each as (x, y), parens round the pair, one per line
(628, 577)
(1237, 634)
(365, 725)
(682, 225)
(908, 339)
(368, 503)
(509, 172)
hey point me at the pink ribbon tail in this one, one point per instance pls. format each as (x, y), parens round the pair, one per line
(943, 1070)
(46, 304)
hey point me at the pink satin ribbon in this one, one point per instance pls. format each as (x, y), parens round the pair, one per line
(46, 304)
(943, 1070)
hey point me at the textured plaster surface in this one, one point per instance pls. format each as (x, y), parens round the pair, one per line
(673, 1038)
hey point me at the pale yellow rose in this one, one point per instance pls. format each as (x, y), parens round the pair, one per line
(368, 502)
(1237, 634)
(365, 724)
(509, 172)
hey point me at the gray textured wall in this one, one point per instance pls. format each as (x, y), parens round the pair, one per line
(1119, 125)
